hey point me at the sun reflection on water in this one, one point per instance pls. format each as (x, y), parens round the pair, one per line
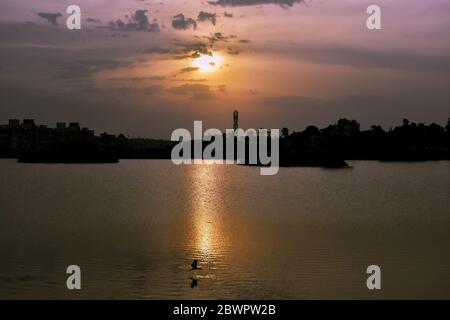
(208, 234)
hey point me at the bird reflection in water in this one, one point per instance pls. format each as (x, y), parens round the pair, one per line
(194, 283)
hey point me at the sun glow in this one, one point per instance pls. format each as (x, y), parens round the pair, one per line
(208, 63)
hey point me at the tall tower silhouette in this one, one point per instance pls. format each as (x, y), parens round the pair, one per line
(235, 120)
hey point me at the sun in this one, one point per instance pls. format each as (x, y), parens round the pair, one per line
(208, 63)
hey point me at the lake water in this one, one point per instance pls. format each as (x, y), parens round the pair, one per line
(135, 227)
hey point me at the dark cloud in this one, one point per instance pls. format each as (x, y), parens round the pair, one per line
(192, 50)
(141, 19)
(217, 37)
(138, 21)
(241, 3)
(93, 20)
(227, 15)
(50, 17)
(179, 22)
(119, 24)
(233, 52)
(154, 26)
(188, 69)
(207, 16)
(244, 41)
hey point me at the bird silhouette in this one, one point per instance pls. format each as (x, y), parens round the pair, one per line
(194, 265)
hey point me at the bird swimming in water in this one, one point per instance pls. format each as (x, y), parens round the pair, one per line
(194, 265)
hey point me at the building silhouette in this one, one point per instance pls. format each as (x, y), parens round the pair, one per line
(19, 136)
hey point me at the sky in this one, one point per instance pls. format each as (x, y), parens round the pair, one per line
(147, 67)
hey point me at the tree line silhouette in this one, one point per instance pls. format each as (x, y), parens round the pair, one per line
(327, 147)
(345, 140)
